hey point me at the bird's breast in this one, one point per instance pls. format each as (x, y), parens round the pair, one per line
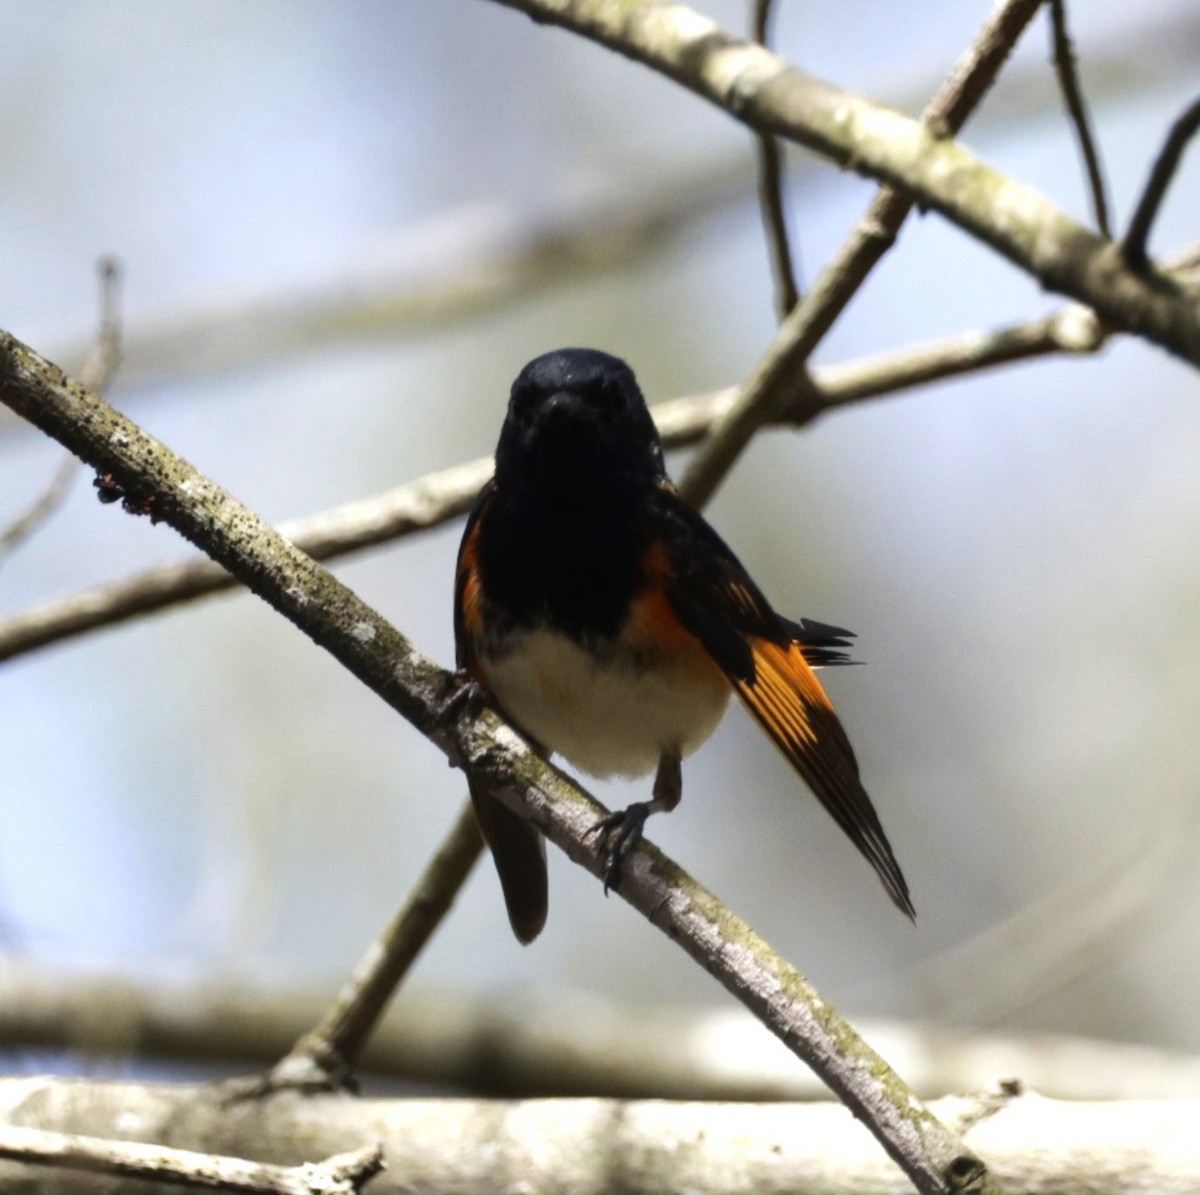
(613, 706)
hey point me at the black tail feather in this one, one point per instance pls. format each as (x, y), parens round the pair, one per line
(823, 645)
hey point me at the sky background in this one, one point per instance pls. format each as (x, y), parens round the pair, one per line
(203, 794)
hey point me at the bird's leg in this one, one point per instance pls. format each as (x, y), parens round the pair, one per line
(620, 832)
(467, 697)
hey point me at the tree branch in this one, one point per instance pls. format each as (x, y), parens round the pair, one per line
(1165, 165)
(596, 1147)
(328, 1053)
(438, 497)
(1068, 78)
(782, 374)
(560, 1043)
(772, 189)
(344, 1174)
(772, 96)
(173, 491)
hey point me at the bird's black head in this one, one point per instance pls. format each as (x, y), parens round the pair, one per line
(578, 411)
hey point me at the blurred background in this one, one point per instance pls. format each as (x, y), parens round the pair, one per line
(343, 230)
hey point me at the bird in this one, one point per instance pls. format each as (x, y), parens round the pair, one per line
(611, 624)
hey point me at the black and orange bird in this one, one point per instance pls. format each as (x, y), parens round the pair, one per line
(610, 623)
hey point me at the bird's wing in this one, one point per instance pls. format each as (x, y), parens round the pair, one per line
(715, 599)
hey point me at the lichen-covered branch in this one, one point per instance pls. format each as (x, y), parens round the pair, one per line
(163, 485)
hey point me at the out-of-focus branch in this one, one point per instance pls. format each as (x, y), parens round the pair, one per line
(1068, 78)
(444, 495)
(174, 492)
(530, 1043)
(458, 265)
(1036, 1146)
(328, 1053)
(771, 96)
(96, 374)
(1165, 165)
(783, 370)
(772, 188)
(344, 1174)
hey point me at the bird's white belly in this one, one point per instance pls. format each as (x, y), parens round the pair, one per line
(612, 718)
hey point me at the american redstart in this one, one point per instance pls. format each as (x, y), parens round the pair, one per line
(610, 623)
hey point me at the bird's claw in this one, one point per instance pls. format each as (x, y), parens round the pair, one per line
(619, 833)
(464, 702)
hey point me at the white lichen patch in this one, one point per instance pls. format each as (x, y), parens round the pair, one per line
(119, 439)
(364, 632)
(295, 594)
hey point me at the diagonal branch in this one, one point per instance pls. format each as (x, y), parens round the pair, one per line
(783, 370)
(769, 95)
(328, 1053)
(1163, 171)
(174, 492)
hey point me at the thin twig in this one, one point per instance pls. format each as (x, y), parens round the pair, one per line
(343, 1174)
(784, 367)
(1133, 248)
(328, 1053)
(935, 1159)
(772, 189)
(96, 374)
(1063, 52)
(438, 497)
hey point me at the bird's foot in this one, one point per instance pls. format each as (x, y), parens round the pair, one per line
(619, 833)
(464, 702)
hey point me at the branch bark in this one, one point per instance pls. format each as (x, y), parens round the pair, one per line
(165, 486)
(771, 96)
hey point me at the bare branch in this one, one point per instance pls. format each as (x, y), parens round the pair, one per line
(438, 497)
(1068, 78)
(1182, 131)
(770, 95)
(784, 367)
(772, 189)
(344, 1174)
(331, 1051)
(557, 1043)
(587, 1146)
(387, 663)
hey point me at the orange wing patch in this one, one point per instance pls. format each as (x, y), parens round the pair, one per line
(787, 700)
(786, 697)
(653, 629)
(470, 596)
